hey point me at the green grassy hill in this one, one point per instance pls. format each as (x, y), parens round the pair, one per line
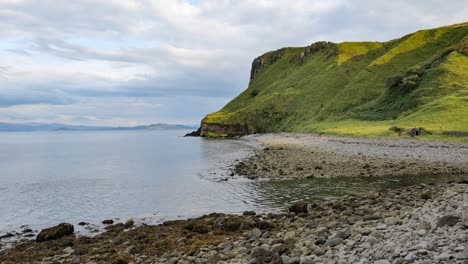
(355, 88)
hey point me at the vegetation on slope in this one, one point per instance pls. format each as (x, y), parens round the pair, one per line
(357, 88)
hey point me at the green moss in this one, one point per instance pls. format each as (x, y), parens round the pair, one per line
(360, 88)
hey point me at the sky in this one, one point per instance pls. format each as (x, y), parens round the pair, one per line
(128, 62)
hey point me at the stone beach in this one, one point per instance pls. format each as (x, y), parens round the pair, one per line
(287, 155)
(418, 224)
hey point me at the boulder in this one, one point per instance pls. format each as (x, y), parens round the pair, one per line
(426, 195)
(448, 220)
(298, 208)
(334, 241)
(108, 222)
(55, 232)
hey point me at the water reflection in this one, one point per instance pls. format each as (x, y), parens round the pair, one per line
(48, 178)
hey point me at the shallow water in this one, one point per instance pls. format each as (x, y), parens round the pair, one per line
(52, 177)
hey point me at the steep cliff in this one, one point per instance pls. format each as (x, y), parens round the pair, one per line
(355, 88)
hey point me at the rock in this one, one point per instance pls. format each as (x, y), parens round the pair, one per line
(421, 232)
(294, 260)
(320, 241)
(392, 221)
(462, 255)
(365, 245)
(371, 217)
(181, 241)
(27, 230)
(289, 235)
(108, 222)
(265, 256)
(448, 220)
(318, 252)
(68, 251)
(279, 248)
(426, 195)
(381, 227)
(410, 257)
(247, 213)
(195, 133)
(443, 256)
(298, 208)
(334, 241)
(382, 261)
(200, 228)
(55, 232)
(8, 235)
(254, 233)
(83, 223)
(342, 234)
(128, 250)
(321, 230)
(424, 226)
(372, 240)
(129, 223)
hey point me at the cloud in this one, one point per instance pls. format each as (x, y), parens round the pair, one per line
(187, 57)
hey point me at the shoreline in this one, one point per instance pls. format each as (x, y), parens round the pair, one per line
(421, 222)
(350, 229)
(290, 155)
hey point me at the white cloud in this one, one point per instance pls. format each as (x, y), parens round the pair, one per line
(80, 61)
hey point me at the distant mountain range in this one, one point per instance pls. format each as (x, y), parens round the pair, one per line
(64, 127)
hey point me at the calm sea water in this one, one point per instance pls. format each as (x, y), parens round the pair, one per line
(52, 177)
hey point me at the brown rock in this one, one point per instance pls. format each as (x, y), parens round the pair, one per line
(298, 208)
(55, 232)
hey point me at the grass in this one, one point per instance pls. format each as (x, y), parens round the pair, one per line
(360, 88)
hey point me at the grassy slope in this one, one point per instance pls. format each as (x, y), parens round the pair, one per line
(346, 88)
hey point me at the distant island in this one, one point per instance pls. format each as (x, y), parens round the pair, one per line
(5, 127)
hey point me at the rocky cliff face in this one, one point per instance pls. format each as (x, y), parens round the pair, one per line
(313, 48)
(223, 130)
(258, 64)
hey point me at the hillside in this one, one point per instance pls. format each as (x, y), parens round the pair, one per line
(355, 88)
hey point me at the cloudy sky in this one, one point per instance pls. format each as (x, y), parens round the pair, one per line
(128, 62)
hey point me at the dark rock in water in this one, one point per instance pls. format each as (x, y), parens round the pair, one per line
(448, 220)
(246, 213)
(108, 222)
(55, 232)
(8, 235)
(298, 208)
(463, 181)
(195, 133)
(83, 223)
(27, 230)
(129, 223)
